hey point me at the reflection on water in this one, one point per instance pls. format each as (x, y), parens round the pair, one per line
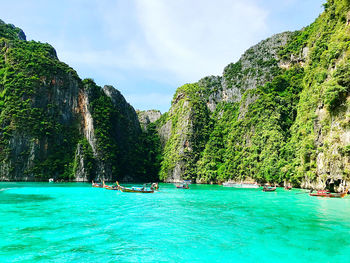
(9, 198)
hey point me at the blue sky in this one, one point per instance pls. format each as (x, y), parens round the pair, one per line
(148, 48)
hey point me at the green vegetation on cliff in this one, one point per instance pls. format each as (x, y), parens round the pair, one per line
(281, 113)
(28, 70)
(323, 101)
(45, 130)
(190, 116)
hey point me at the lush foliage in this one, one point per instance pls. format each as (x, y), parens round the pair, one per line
(41, 120)
(9, 31)
(30, 73)
(190, 121)
(272, 132)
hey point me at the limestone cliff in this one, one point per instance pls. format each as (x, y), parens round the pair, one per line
(147, 117)
(280, 114)
(54, 125)
(321, 130)
(188, 125)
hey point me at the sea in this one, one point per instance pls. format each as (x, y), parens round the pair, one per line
(74, 222)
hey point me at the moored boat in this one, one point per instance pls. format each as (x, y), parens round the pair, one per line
(134, 189)
(111, 187)
(326, 193)
(269, 189)
(154, 186)
(97, 185)
(288, 187)
(183, 185)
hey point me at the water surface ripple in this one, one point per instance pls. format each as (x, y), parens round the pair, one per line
(73, 222)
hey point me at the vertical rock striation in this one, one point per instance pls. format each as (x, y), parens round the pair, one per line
(54, 125)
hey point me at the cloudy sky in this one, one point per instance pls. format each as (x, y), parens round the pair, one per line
(148, 48)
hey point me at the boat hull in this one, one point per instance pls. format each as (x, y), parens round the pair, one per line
(182, 187)
(111, 187)
(130, 190)
(330, 195)
(272, 189)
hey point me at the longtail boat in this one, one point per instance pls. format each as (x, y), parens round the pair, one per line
(154, 186)
(326, 193)
(97, 185)
(134, 189)
(110, 187)
(183, 185)
(269, 189)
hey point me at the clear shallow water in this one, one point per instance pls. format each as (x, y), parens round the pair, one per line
(73, 222)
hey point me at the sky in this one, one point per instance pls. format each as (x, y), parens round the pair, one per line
(148, 48)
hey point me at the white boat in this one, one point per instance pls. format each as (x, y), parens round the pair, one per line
(241, 185)
(51, 180)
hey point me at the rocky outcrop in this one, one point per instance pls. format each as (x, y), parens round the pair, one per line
(9, 31)
(147, 117)
(83, 164)
(54, 125)
(181, 133)
(181, 129)
(279, 114)
(254, 68)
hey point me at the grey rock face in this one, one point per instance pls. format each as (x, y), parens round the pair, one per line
(87, 122)
(256, 67)
(147, 117)
(22, 36)
(28, 150)
(165, 132)
(124, 107)
(81, 172)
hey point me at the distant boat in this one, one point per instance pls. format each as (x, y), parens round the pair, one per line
(183, 185)
(326, 193)
(97, 185)
(154, 186)
(51, 180)
(269, 189)
(110, 187)
(241, 185)
(134, 189)
(288, 187)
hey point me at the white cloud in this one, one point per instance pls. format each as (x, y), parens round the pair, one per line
(199, 37)
(152, 46)
(183, 39)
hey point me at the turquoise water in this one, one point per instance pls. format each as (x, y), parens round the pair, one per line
(73, 222)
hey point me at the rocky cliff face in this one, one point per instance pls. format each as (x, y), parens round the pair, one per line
(186, 117)
(54, 125)
(256, 67)
(147, 117)
(279, 114)
(321, 131)
(196, 108)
